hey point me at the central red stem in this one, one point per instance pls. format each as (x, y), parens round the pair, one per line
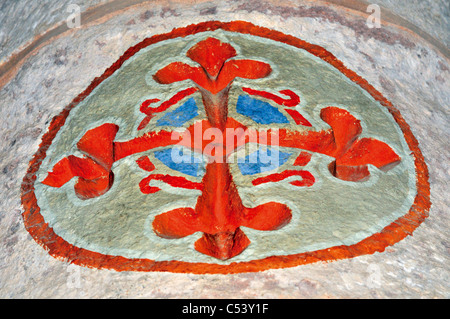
(220, 207)
(216, 107)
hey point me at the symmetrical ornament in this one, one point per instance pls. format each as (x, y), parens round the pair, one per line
(224, 148)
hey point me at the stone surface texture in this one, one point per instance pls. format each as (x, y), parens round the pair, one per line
(406, 69)
(430, 16)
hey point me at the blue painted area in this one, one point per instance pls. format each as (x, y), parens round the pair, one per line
(259, 111)
(181, 115)
(263, 160)
(182, 160)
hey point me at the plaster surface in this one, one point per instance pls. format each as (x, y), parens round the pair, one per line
(412, 74)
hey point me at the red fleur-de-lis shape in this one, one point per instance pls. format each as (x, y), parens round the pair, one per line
(215, 73)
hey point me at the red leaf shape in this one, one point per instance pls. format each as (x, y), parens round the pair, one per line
(269, 216)
(246, 69)
(98, 144)
(61, 174)
(179, 71)
(177, 223)
(369, 151)
(346, 128)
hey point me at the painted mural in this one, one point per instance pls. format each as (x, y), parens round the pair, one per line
(224, 148)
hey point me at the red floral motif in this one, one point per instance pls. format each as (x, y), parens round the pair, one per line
(215, 73)
(219, 212)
